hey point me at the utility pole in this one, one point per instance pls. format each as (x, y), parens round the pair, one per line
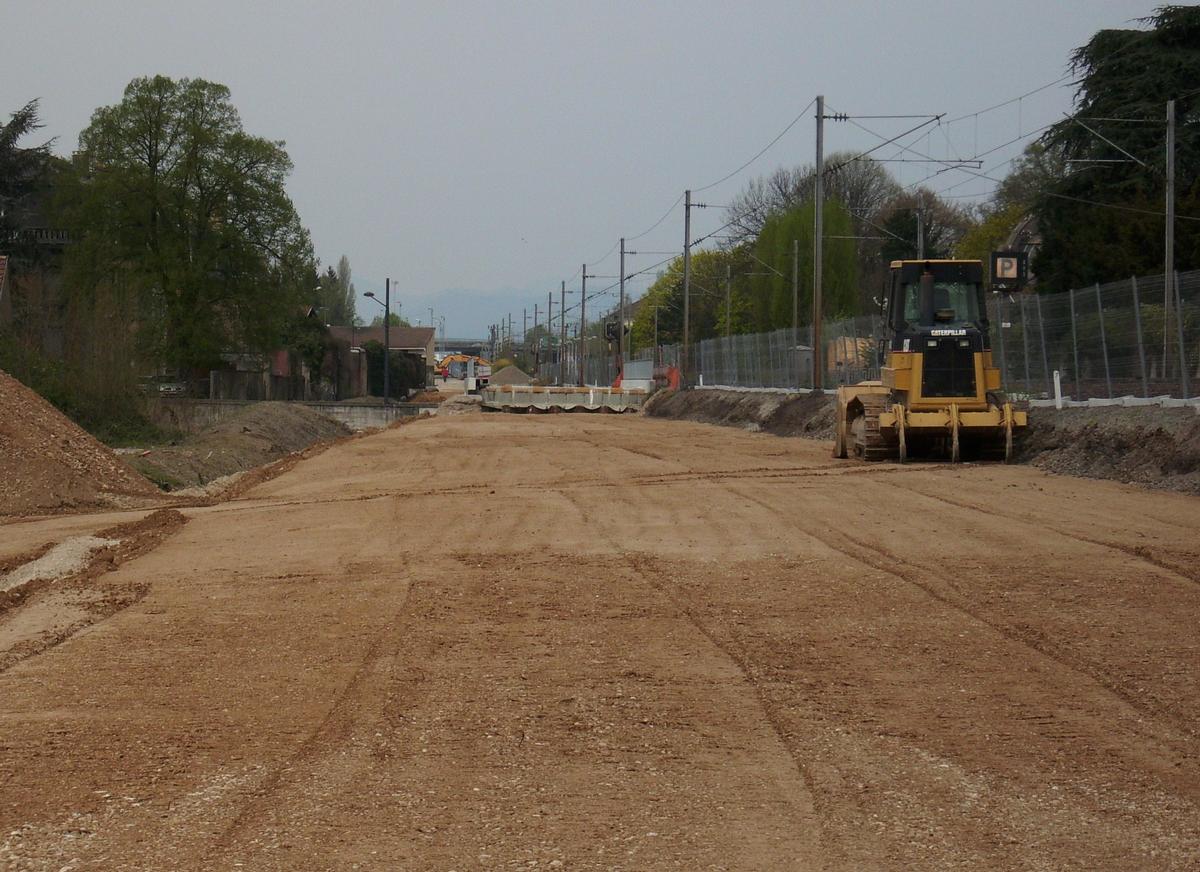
(727, 306)
(525, 330)
(549, 323)
(818, 246)
(1169, 253)
(562, 342)
(536, 349)
(795, 289)
(687, 284)
(621, 316)
(582, 325)
(387, 336)
(920, 228)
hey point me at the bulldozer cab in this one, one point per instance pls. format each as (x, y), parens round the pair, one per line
(936, 298)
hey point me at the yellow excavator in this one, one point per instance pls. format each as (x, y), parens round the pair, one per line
(938, 393)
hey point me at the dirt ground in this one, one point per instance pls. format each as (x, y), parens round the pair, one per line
(643, 644)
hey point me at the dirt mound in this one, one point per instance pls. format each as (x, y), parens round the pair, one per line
(1145, 445)
(810, 415)
(510, 375)
(48, 464)
(254, 436)
(428, 397)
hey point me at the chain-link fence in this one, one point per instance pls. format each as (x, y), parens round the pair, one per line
(1123, 338)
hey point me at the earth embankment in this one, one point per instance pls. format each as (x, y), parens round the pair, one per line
(257, 435)
(1147, 445)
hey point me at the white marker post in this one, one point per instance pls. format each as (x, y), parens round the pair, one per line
(1057, 389)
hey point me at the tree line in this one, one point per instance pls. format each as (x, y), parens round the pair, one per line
(182, 246)
(1089, 203)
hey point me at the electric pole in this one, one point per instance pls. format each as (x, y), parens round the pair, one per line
(818, 246)
(920, 227)
(795, 290)
(562, 342)
(1169, 252)
(387, 323)
(582, 325)
(536, 349)
(687, 282)
(727, 306)
(621, 315)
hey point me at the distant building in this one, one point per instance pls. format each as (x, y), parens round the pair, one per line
(406, 340)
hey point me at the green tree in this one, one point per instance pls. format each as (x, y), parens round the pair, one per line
(405, 371)
(337, 294)
(394, 320)
(1103, 220)
(174, 201)
(24, 171)
(990, 234)
(770, 289)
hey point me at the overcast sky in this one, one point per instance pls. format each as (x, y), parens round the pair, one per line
(478, 153)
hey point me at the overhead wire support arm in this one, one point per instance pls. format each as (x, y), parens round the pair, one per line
(1106, 139)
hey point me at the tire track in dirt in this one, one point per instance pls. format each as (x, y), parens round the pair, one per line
(323, 742)
(882, 560)
(646, 570)
(1191, 575)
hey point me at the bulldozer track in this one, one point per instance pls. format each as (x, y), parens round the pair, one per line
(869, 441)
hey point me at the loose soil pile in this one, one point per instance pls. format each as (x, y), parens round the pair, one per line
(510, 375)
(810, 415)
(257, 435)
(49, 464)
(1146, 445)
(428, 397)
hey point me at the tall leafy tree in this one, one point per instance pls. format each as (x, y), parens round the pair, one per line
(174, 201)
(770, 287)
(1104, 220)
(943, 225)
(23, 171)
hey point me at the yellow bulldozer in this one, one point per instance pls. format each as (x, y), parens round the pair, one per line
(938, 393)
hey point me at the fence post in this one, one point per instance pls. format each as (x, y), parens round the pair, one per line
(1137, 324)
(1103, 340)
(1183, 361)
(854, 332)
(1000, 327)
(1025, 342)
(1037, 298)
(1075, 345)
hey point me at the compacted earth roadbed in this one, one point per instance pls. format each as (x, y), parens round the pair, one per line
(656, 645)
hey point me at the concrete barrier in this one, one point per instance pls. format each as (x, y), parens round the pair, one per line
(191, 415)
(527, 398)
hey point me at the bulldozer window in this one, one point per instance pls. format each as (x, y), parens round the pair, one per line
(955, 304)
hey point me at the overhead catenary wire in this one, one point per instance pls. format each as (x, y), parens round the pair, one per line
(761, 152)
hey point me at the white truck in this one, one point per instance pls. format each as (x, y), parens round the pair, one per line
(478, 376)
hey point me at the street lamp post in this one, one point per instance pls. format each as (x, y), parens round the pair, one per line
(387, 336)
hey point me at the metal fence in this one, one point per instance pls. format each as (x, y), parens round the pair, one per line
(1123, 338)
